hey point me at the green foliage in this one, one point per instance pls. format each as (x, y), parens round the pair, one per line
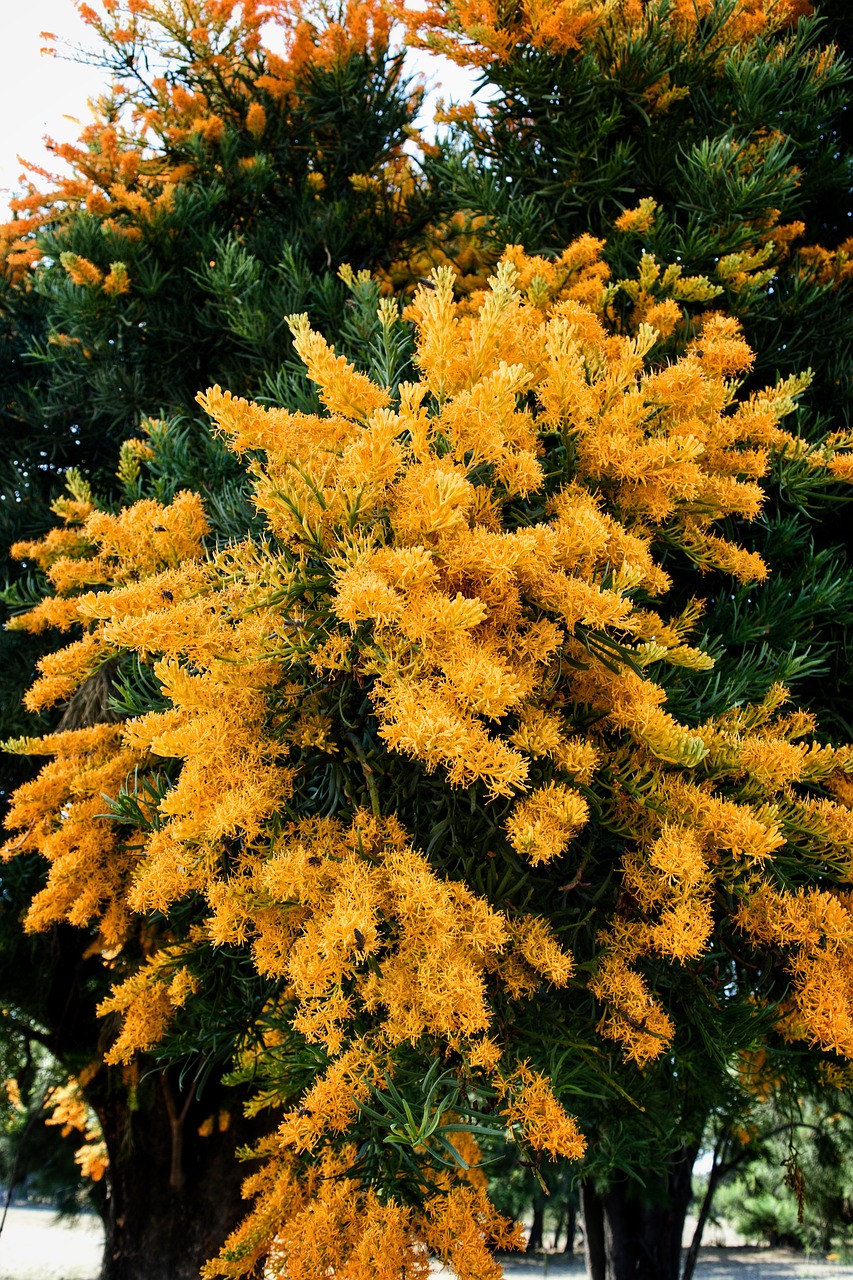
(758, 1200)
(566, 142)
(36, 1161)
(580, 134)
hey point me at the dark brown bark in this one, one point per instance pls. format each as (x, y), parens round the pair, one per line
(633, 1232)
(714, 1178)
(174, 1196)
(566, 1220)
(535, 1240)
(592, 1209)
(571, 1225)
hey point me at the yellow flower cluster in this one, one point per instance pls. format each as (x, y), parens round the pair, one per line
(59, 815)
(467, 617)
(358, 910)
(474, 557)
(479, 32)
(660, 295)
(544, 1124)
(815, 928)
(542, 825)
(147, 1003)
(68, 1109)
(87, 275)
(325, 1221)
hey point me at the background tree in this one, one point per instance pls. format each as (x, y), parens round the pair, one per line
(592, 109)
(39, 1102)
(232, 175)
(759, 1198)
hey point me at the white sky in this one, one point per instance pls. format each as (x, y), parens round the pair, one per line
(38, 93)
(35, 91)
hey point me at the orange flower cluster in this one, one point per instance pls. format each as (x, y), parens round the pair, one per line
(68, 1108)
(477, 553)
(479, 32)
(659, 294)
(328, 1221)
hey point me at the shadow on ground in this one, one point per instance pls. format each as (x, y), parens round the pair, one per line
(35, 1246)
(733, 1263)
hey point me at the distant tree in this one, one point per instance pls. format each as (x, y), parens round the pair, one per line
(789, 1177)
(592, 108)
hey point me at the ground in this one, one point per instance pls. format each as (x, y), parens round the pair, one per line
(34, 1246)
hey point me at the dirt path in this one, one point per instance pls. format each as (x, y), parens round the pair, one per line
(741, 1263)
(34, 1246)
(751, 1263)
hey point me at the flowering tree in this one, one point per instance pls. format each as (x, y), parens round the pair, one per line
(432, 759)
(420, 792)
(665, 109)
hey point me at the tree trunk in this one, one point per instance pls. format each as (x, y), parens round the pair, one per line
(572, 1216)
(592, 1209)
(633, 1232)
(535, 1240)
(715, 1177)
(173, 1195)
